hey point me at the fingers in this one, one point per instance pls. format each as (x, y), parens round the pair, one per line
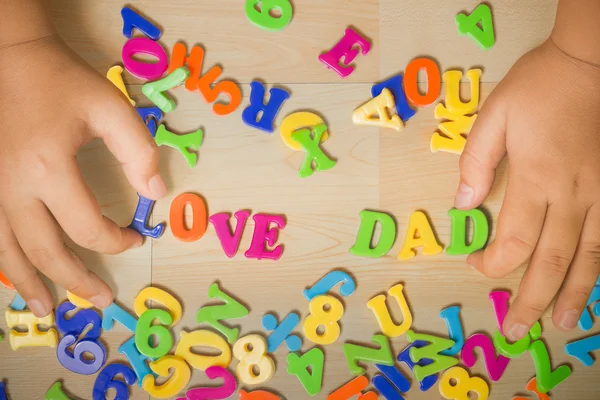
(80, 216)
(21, 273)
(519, 226)
(40, 238)
(124, 133)
(582, 274)
(483, 152)
(547, 269)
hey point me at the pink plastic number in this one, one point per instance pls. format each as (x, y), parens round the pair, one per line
(214, 393)
(495, 366)
(144, 70)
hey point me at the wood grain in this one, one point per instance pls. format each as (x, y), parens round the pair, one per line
(243, 168)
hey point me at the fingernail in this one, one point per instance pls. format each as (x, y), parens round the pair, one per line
(569, 319)
(517, 331)
(464, 196)
(38, 308)
(100, 301)
(157, 186)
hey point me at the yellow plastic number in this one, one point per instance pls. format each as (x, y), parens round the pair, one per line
(176, 383)
(166, 299)
(203, 338)
(32, 337)
(456, 384)
(382, 312)
(325, 311)
(115, 75)
(296, 121)
(251, 350)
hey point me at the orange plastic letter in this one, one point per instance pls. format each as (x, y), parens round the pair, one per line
(411, 89)
(177, 217)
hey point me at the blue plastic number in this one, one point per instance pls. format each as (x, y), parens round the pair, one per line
(326, 283)
(131, 20)
(404, 357)
(77, 323)
(581, 349)
(115, 313)
(106, 380)
(3, 391)
(136, 359)
(395, 384)
(75, 361)
(18, 303)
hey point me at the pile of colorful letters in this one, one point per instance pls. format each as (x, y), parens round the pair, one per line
(149, 350)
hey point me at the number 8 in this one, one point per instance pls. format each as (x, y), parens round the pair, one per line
(463, 385)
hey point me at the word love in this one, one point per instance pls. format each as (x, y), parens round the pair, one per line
(264, 235)
(419, 234)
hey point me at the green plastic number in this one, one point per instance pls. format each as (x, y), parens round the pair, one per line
(56, 393)
(298, 365)
(546, 378)
(212, 315)
(144, 331)
(432, 352)
(458, 238)
(518, 348)
(355, 353)
(468, 25)
(263, 18)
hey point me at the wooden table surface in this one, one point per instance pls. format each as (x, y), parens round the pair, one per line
(244, 168)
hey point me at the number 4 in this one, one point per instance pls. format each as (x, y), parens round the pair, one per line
(298, 365)
(478, 25)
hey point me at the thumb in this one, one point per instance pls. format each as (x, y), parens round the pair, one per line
(485, 148)
(124, 133)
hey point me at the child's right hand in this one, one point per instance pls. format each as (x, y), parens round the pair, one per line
(51, 104)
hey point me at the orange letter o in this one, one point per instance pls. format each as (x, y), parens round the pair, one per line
(411, 89)
(177, 217)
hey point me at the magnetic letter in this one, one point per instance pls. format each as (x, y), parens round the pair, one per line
(155, 91)
(458, 239)
(418, 223)
(362, 246)
(32, 337)
(141, 216)
(345, 48)
(177, 217)
(230, 242)
(434, 84)
(141, 69)
(314, 153)
(382, 313)
(269, 110)
(181, 143)
(376, 112)
(263, 233)
(394, 84)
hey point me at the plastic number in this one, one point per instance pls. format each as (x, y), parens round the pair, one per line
(155, 294)
(311, 379)
(178, 380)
(78, 322)
(518, 348)
(145, 330)
(546, 378)
(155, 91)
(432, 351)
(75, 361)
(328, 319)
(115, 313)
(581, 349)
(495, 366)
(214, 393)
(136, 359)
(470, 25)
(532, 387)
(258, 395)
(255, 357)
(353, 388)
(263, 18)
(328, 282)
(404, 357)
(212, 315)
(391, 383)
(355, 353)
(463, 384)
(106, 380)
(54, 393)
(204, 338)
(452, 317)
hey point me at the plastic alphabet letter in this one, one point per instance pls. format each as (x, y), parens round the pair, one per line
(263, 18)
(181, 143)
(33, 337)
(155, 91)
(379, 307)
(394, 84)
(532, 387)
(263, 233)
(269, 110)
(230, 310)
(452, 317)
(141, 217)
(453, 102)
(141, 69)
(453, 130)
(345, 49)
(151, 116)
(106, 380)
(546, 378)
(296, 121)
(230, 241)
(585, 322)
(314, 153)
(432, 352)
(404, 357)
(480, 230)
(54, 393)
(581, 349)
(355, 353)
(258, 395)
(353, 388)
(411, 89)
(363, 245)
(391, 383)
(418, 223)
(132, 20)
(376, 112)
(5, 282)
(177, 217)
(115, 75)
